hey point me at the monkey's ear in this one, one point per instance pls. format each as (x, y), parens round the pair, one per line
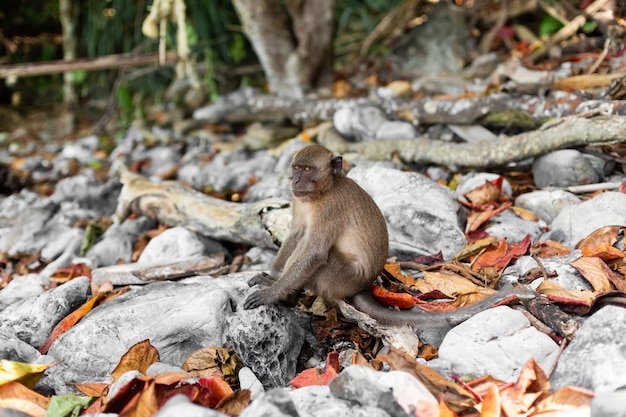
(337, 165)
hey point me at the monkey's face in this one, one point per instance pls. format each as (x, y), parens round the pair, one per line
(303, 180)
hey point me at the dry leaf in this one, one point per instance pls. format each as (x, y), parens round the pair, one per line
(606, 234)
(212, 361)
(461, 290)
(558, 294)
(26, 373)
(313, 376)
(395, 271)
(595, 271)
(525, 214)
(605, 251)
(138, 358)
(16, 396)
(394, 299)
(234, 404)
(549, 249)
(476, 247)
(69, 321)
(491, 406)
(477, 218)
(486, 193)
(531, 385)
(566, 400)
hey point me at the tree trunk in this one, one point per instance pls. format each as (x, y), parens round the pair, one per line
(295, 57)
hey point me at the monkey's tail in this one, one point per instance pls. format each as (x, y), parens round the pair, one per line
(417, 318)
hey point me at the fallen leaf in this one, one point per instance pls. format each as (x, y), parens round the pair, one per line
(394, 299)
(429, 259)
(549, 249)
(69, 321)
(491, 406)
(477, 218)
(476, 247)
(394, 270)
(67, 405)
(461, 290)
(522, 213)
(604, 251)
(138, 358)
(502, 256)
(486, 193)
(234, 404)
(558, 294)
(595, 271)
(92, 389)
(212, 361)
(566, 400)
(490, 256)
(600, 236)
(314, 376)
(532, 385)
(218, 388)
(26, 373)
(16, 396)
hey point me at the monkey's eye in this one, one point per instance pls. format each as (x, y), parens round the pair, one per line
(307, 168)
(296, 167)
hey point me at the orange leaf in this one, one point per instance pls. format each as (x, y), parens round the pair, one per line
(605, 251)
(395, 271)
(313, 376)
(70, 320)
(491, 256)
(461, 290)
(395, 299)
(566, 400)
(486, 193)
(138, 358)
(234, 404)
(492, 403)
(531, 385)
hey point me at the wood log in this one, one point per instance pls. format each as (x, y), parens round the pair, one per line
(264, 223)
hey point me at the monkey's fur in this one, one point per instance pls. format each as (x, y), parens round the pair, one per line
(337, 246)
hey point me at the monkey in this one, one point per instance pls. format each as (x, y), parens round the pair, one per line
(337, 246)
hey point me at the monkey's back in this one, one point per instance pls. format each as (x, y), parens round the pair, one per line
(360, 235)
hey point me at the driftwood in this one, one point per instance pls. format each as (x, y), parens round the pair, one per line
(259, 224)
(570, 132)
(499, 109)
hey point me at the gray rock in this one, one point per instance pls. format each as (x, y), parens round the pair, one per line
(609, 404)
(317, 401)
(259, 259)
(564, 168)
(576, 222)
(274, 403)
(421, 214)
(177, 317)
(397, 393)
(271, 186)
(68, 256)
(117, 242)
(508, 225)
(568, 277)
(61, 236)
(596, 357)
(268, 340)
(15, 205)
(178, 243)
(547, 204)
(21, 287)
(89, 193)
(22, 237)
(14, 349)
(163, 160)
(360, 122)
(247, 380)
(497, 342)
(228, 171)
(179, 405)
(32, 321)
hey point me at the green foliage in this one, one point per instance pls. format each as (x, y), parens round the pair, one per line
(125, 104)
(549, 26)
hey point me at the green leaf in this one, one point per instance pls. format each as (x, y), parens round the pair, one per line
(590, 27)
(548, 26)
(67, 405)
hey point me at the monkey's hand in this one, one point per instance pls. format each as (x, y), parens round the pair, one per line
(262, 278)
(257, 299)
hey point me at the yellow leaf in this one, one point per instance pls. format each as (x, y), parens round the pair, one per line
(26, 373)
(138, 358)
(16, 396)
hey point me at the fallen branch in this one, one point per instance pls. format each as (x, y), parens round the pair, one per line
(85, 64)
(259, 224)
(571, 132)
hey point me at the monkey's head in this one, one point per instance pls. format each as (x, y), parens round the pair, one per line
(313, 172)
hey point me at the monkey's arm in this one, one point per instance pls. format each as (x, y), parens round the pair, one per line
(299, 267)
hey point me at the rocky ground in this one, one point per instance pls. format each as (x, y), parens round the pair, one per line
(182, 290)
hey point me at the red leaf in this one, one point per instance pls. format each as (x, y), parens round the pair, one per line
(218, 387)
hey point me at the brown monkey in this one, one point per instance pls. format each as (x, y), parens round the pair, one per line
(337, 246)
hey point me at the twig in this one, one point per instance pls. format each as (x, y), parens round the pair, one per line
(562, 347)
(588, 188)
(540, 264)
(605, 51)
